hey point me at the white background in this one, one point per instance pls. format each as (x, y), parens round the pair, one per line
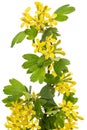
(74, 42)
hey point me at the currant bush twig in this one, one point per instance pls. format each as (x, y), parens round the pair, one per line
(34, 111)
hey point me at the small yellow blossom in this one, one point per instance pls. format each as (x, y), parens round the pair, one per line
(59, 51)
(64, 88)
(27, 19)
(68, 108)
(66, 78)
(51, 20)
(49, 51)
(71, 125)
(38, 45)
(39, 22)
(42, 9)
(21, 116)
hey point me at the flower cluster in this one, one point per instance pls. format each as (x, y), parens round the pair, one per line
(65, 84)
(48, 47)
(72, 115)
(22, 117)
(41, 19)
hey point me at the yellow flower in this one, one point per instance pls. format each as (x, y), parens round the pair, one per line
(45, 47)
(39, 6)
(59, 51)
(51, 20)
(66, 78)
(49, 51)
(40, 20)
(64, 88)
(50, 39)
(70, 125)
(27, 19)
(68, 108)
(22, 114)
(42, 9)
(80, 117)
(38, 45)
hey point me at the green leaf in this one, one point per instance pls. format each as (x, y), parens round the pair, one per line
(41, 61)
(61, 17)
(50, 105)
(18, 38)
(63, 11)
(36, 66)
(14, 91)
(60, 119)
(47, 92)
(37, 108)
(31, 57)
(47, 122)
(47, 62)
(38, 75)
(61, 66)
(52, 112)
(49, 78)
(50, 31)
(31, 63)
(31, 33)
(70, 98)
(8, 100)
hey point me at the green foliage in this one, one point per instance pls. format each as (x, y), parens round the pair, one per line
(46, 97)
(8, 100)
(36, 66)
(49, 105)
(50, 79)
(50, 31)
(31, 33)
(63, 11)
(61, 66)
(70, 98)
(31, 63)
(14, 91)
(18, 38)
(47, 123)
(51, 122)
(37, 108)
(61, 17)
(59, 123)
(47, 92)
(47, 62)
(38, 75)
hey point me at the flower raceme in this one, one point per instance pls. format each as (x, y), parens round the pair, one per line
(48, 47)
(22, 117)
(41, 19)
(65, 84)
(71, 114)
